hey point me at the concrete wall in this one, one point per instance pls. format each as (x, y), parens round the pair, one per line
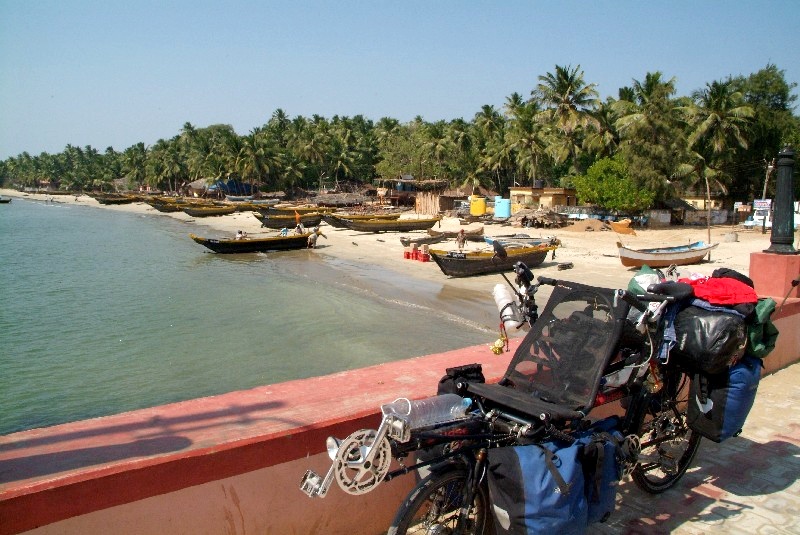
(238, 458)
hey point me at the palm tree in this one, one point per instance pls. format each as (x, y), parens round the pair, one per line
(651, 136)
(718, 120)
(569, 103)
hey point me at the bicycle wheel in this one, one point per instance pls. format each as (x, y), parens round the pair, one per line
(668, 446)
(433, 507)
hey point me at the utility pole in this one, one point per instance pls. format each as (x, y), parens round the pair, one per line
(770, 167)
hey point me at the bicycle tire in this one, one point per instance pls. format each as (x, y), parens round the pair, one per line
(668, 444)
(433, 506)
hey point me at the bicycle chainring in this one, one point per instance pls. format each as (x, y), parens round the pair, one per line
(354, 474)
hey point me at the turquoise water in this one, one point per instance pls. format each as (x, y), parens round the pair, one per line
(103, 312)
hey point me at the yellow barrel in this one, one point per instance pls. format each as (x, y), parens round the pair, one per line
(477, 206)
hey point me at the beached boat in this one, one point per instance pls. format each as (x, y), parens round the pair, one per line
(288, 221)
(421, 240)
(475, 234)
(521, 239)
(390, 225)
(291, 210)
(208, 211)
(468, 263)
(114, 198)
(5, 200)
(681, 255)
(253, 245)
(336, 220)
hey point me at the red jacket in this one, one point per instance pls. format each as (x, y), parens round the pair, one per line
(722, 290)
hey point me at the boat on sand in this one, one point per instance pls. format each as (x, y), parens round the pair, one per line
(253, 245)
(468, 263)
(681, 255)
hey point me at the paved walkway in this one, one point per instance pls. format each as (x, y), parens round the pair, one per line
(746, 485)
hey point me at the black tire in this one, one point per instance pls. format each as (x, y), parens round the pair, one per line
(433, 505)
(668, 446)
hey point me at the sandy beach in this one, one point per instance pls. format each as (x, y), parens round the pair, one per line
(376, 261)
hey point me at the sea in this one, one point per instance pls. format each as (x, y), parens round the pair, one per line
(105, 311)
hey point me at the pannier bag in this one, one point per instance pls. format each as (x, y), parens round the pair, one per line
(552, 488)
(537, 489)
(709, 341)
(602, 468)
(719, 403)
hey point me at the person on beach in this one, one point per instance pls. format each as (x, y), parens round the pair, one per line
(240, 235)
(461, 239)
(300, 229)
(312, 239)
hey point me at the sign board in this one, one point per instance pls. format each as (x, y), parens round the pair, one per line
(762, 204)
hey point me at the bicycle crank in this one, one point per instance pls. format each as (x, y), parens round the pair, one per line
(361, 463)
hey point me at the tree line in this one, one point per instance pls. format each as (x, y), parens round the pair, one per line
(637, 150)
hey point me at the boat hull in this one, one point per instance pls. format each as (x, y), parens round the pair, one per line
(399, 225)
(664, 256)
(254, 245)
(208, 211)
(467, 264)
(337, 220)
(287, 221)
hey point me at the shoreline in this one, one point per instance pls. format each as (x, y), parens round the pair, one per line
(375, 262)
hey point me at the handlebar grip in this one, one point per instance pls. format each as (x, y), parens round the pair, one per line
(547, 280)
(633, 300)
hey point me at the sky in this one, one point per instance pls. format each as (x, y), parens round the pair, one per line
(113, 73)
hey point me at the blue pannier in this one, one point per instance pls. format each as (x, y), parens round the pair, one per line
(719, 403)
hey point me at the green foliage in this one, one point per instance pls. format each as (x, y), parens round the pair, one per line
(608, 185)
(723, 136)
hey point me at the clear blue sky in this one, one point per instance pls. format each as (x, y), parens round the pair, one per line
(113, 72)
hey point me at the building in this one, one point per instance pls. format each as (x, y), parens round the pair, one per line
(532, 197)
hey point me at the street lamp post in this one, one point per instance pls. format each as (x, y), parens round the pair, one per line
(783, 220)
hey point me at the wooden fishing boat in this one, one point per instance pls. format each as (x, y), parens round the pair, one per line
(208, 211)
(681, 255)
(390, 225)
(421, 240)
(521, 239)
(288, 221)
(335, 220)
(254, 245)
(290, 210)
(469, 263)
(475, 234)
(114, 198)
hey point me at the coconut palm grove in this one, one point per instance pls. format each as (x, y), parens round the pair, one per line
(636, 151)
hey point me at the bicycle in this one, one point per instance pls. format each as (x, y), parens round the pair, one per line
(589, 347)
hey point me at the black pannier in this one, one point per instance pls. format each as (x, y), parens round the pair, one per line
(709, 341)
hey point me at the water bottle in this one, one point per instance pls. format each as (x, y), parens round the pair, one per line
(509, 311)
(429, 411)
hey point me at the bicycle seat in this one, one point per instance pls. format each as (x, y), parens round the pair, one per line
(523, 402)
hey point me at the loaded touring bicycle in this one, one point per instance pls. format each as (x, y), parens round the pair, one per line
(529, 454)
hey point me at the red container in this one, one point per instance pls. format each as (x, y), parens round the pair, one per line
(424, 257)
(406, 254)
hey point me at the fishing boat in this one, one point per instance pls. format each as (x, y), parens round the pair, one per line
(521, 239)
(681, 255)
(475, 234)
(468, 263)
(288, 221)
(208, 211)
(389, 225)
(5, 200)
(421, 240)
(291, 210)
(114, 198)
(253, 245)
(335, 220)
